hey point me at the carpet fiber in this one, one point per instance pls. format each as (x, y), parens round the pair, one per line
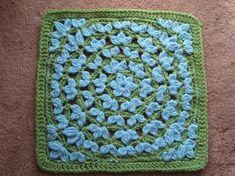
(19, 36)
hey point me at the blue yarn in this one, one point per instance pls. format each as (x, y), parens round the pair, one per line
(58, 108)
(183, 116)
(110, 53)
(74, 156)
(61, 29)
(153, 127)
(138, 28)
(153, 32)
(55, 44)
(169, 110)
(187, 85)
(78, 115)
(179, 56)
(115, 67)
(136, 118)
(70, 89)
(146, 88)
(74, 42)
(137, 69)
(55, 88)
(77, 23)
(131, 105)
(171, 154)
(58, 151)
(146, 57)
(85, 80)
(120, 39)
(166, 61)
(98, 131)
(192, 131)
(122, 25)
(61, 59)
(51, 132)
(159, 143)
(74, 136)
(95, 45)
(130, 150)
(87, 32)
(183, 70)
(109, 103)
(108, 148)
(123, 86)
(144, 147)
(100, 83)
(188, 46)
(157, 74)
(169, 43)
(165, 23)
(89, 99)
(97, 63)
(104, 28)
(122, 151)
(160, 93)
(77, 64)
(147, 45)
(98, 114)
(116, 119)
(172, 135)
(63, 122)
(130, 54)
(151, 108)
(174, 84)
(90, 145)
(126, 136)
(186, 98)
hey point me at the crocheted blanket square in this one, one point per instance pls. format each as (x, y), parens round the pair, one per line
(121, 91)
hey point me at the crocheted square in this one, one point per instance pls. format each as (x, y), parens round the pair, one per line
(121, 90)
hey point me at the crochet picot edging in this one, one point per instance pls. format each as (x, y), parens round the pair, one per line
(121, 90)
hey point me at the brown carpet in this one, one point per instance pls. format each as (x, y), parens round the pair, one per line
(19, 36)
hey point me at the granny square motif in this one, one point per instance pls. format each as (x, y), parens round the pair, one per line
(120, 91)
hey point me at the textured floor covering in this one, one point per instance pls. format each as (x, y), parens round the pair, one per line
(19, 35)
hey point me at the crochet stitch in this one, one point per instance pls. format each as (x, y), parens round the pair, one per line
(116, 92)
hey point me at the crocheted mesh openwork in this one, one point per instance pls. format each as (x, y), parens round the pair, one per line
(121, 91)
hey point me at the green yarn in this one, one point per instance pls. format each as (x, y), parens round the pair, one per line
(100, 162)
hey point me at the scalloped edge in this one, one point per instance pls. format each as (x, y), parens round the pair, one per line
(201, 158)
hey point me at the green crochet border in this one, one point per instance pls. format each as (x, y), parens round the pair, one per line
(197, 59)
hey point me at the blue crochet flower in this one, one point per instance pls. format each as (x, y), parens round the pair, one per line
(166, 61)
(51, 132)
(90, 145)
(74, 136)
(151, 108)
(130, 54)
(169, 110)
(58, 151)
(174, 84)
(55, 44)
(137, 69)
(89, 99)
(62, 29)
(147, 45)
(120, 39)
(58, 68)
(128, 150)
(98, 131)
(160, 93)
(103, 28)
(131, 105)
(146, 88)
(111, 53)
(123, 86)
(144, 147)
(142, 28)
(159, 143)
(95, 45)
(77, 64)
(187, 85)
(78, 23)
(74, 156)
(173, 133)
(85, 80)
(183, 70)
(157, 74)
(100, 83)
(146, 57)
(96, 64)
(192, 131)
(126, 135)
(121, 24)
(116, 119)
(74, 42)
(98, 114)
(153, 32)
(115, 67)
(70, 89)
(109, 103)
(108, 148)
(87, 32)
(62, 120)
(58, 107)
(186, 98)
(137, 118)
(153, 127)
(78, 114)
(169, 43)
(55, 88)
